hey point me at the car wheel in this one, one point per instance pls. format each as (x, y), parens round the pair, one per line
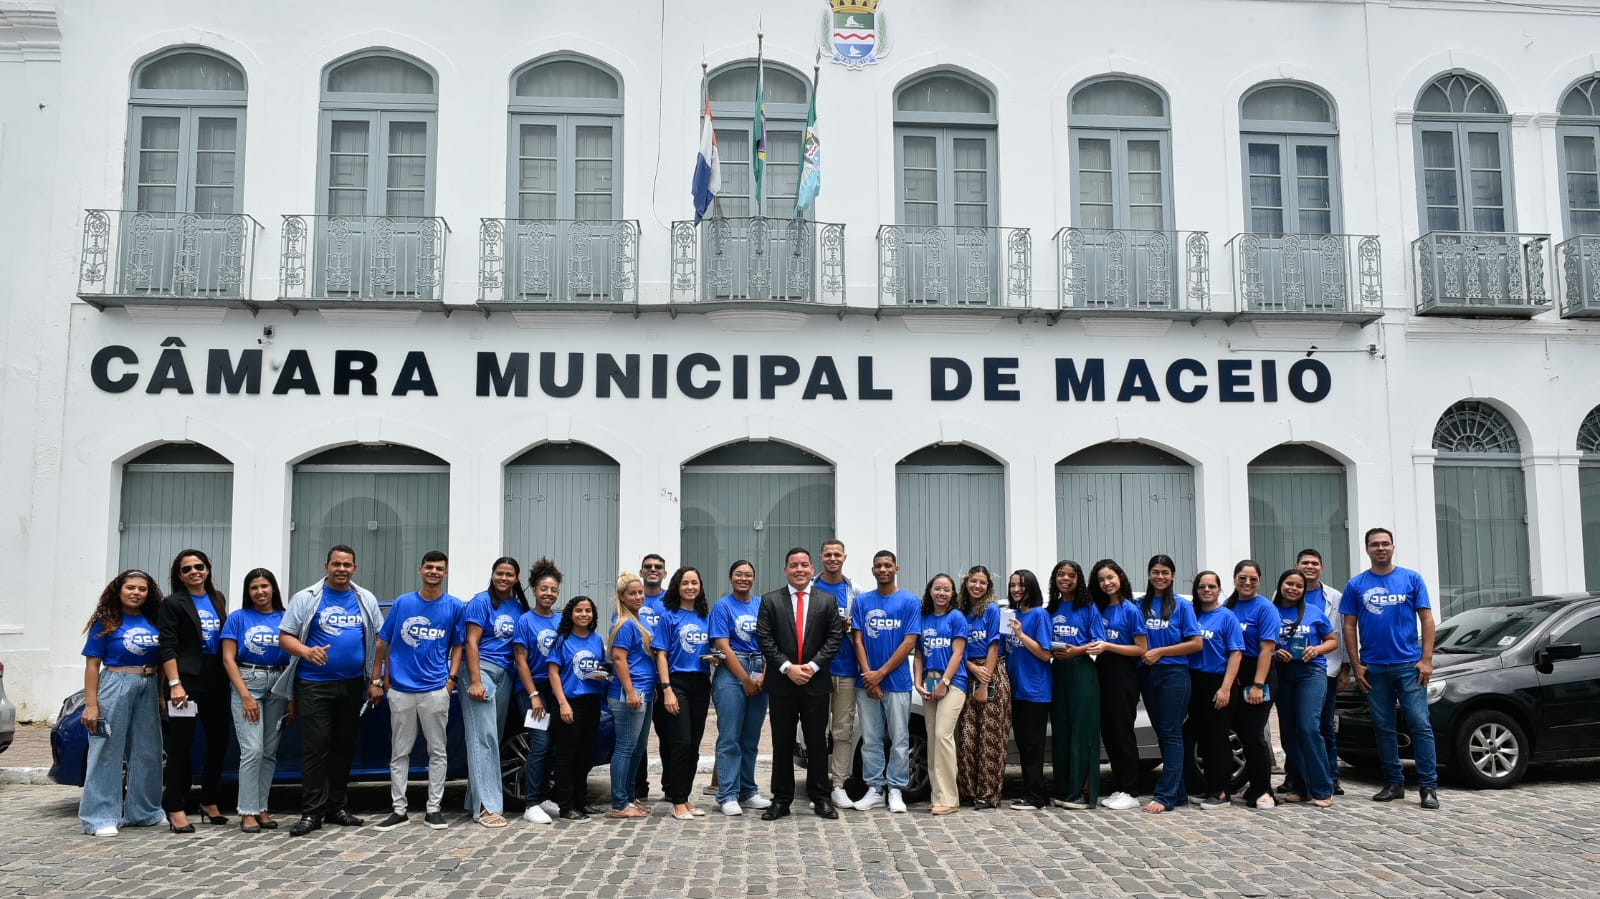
(1237, 780)
(918, 786)
(1491, 750)
(513, 758)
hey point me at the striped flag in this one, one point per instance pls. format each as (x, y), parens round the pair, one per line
(707, 181)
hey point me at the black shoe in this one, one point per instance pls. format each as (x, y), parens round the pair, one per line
(1337, 790)
(213, 819)
(304, 826)
(268, 825)
(187, 828)
(1430, 797)
(591, 810)
(249, 828)
(573, 814)
(824, 809)
(395, 819)
(1284, 788)
(343, 818)
(775, 811)
(1389, 793)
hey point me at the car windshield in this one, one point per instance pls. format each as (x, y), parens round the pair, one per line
(1491, 629)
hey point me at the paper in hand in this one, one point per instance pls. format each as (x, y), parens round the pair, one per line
(187, 710)
(542, 722)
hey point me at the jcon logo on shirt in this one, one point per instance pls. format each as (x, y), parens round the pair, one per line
(746, 625)
(335, 619)
(932, 640)
(505, 626)
(417, 630)
(139, 641)
(260, 640)
(878, 621)
(692, 639)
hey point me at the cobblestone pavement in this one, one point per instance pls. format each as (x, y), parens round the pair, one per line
(1536, 841)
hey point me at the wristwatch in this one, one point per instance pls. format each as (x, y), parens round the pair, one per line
(174, 683)
(376, 682)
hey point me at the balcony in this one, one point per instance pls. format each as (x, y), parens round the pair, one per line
(167, 258)
(1578, 276)
(1326, 277)
(954, 267)
(1481, 274)
(370, 261)
(545, 263)
(758, 260)
(1123, 273)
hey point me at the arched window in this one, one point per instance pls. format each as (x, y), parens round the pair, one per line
(732, 89)
(175, 496)
(186, 133)
(950, 513)
(1291, 160)
(1463, 155)
(1480, 508)
(1126, 501)
(1589, 496)
(1121, 155)
(1578, 136)
(562, 501)
(566, 141)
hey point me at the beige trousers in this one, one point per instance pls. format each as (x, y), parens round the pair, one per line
(843, 729)
(940, 718)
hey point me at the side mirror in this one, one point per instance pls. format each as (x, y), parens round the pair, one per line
(1557, 652)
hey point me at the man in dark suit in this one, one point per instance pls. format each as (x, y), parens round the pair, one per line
(799, 635)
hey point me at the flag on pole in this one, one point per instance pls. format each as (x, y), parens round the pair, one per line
(707, 181)
(811, 165)
(758, 132)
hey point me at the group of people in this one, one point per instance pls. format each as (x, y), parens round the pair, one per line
(817, 656)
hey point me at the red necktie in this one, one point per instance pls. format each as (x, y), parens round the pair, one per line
(799, 623)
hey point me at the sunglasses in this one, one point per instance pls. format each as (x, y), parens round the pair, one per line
(198, 566)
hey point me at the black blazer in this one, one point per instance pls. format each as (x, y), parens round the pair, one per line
(179, 625)
(775, 636)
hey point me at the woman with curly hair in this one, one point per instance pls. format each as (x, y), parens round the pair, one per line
(939, 675)
(686, 634)
(984, 727)
(535, 634)
(121, 707)
(1074, 688)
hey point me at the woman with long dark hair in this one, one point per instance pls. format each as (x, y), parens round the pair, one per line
(491, 625)
(1171, 636)
(1075, 688)
(687, 635)
(939, 675)
(1118, 666)
(1212, 672)
(254, 662)
(120, 708)
(736, 690)
(984, 728)
(1253, 691)
(535, 634)
(577, 674)
(1028, 661)
(191, 622)
(1306, 635)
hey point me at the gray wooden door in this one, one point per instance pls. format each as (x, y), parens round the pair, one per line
(949, 518)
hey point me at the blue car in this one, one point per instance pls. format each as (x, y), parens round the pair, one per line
(69, 748)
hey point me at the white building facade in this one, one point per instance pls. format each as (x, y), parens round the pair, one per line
(1213, 278)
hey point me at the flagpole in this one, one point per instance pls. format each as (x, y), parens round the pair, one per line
(758, 134)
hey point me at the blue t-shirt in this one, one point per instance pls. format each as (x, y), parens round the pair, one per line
(736, 621)
(337, 624)
(651, 611)
(688, 637)
(1385, 606)
(1258, 623)
(937, 639)
(1314, 628)
(420, 634)
(1122, 622)
(983, 631)
(884, 623)
(537, 633)
(1076, 628)
(499, 627)
(1219, 636)
(844, 664)
(255, 637)
(580, 659)
(210, 624)
(134, 644)
(1159, 632)
(1030, 675)
(641, 661)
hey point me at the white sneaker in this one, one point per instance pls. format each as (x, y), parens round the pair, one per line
(110, 830)
(550, 807)
(841, 799)
(1265, 800)
(896, 803)
(535, 815)
(757, 801)
(1120, 802)
(872, 800)
(731, 807)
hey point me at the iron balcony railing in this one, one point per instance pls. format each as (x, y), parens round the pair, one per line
(167, 255)
(1307, 273)
(1120, 269)
(558, 261)
(362, 257)
(758, 258)
(955, 266)
(1578, 276)
(1480, 273)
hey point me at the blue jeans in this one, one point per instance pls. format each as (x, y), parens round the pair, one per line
(739, 720)
(536, 770)
(633, 729)
(128, 707)
(890, 715)
(1166, 700)
(1330, 736)
(1389, 683)
(258, 742)
(482, 721)
(1302, 691)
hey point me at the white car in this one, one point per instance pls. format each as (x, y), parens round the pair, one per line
(8, 714)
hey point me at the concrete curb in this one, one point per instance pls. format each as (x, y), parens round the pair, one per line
(25, 776)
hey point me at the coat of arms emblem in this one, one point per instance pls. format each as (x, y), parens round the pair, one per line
(854, 32)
